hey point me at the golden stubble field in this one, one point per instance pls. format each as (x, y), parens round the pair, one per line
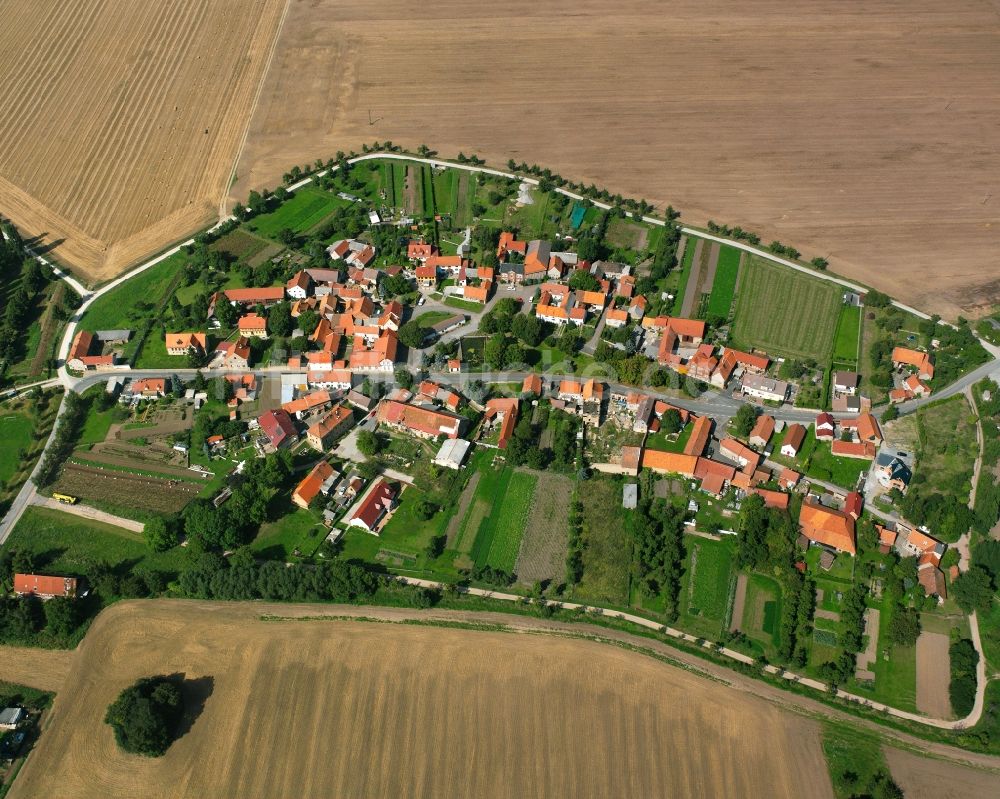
(861, 132)
(350, 708)
(120, 120)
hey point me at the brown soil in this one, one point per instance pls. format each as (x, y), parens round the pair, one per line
(346, 708)
(929, 778)
(121, 137)
(543, 548)
(124, 488)
(933, 675)
(46, 669)
(861, 133)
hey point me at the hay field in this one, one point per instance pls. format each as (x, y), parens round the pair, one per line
(345, 708)
(862, 132)
(121, 121)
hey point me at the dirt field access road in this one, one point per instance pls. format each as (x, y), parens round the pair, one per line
(87, 512)
(732, 654)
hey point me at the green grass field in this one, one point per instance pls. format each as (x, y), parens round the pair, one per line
(845, 343)
(508, 521)
(853, 757)
(119, 308)
(685, 273)
(705, 585)
(606, 546)
(724, 287)
(762, 611)
(15, 432)
(297, 529)
(824, 465)
(308, 206)
(785, 312)
(66, 544)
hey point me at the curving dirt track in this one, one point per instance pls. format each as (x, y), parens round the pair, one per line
(861, 132)
(120, 120)
(347, 708)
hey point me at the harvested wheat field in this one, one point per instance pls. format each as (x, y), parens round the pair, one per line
(927, 778)
(121, 120)
(861, 132)
(46, 669)
(349, 708)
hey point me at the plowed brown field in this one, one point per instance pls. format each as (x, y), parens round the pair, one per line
(348, 708)
(120, 120)
(864, 132)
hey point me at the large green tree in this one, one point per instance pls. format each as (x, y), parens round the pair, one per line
(145, 716)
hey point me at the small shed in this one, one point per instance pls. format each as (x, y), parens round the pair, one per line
(10, 717)
(630, 495)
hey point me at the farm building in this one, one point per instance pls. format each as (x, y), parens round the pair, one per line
(830, 528)
(44, 586)
(762, 431)
(278, 427)
(422, 422)
(319, 480)
(321, 434)
(377, 503)
(253, 326)
(765, 388)
(452, 453)
(794, 436)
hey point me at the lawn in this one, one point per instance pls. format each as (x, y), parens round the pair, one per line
(845, 343)
(464, 305)
(304, 209)
(762, 612)
(431, 318)
(15, 432)
(240, 244)
(126, 304)
(607, 546)
(785, 312)
(296, 529)
(824, 465)
(727, 271)
(65, 544)
(706, 585)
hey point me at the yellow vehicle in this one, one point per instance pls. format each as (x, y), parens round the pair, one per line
(66, 499)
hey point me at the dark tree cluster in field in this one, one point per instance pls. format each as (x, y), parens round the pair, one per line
(524, 449)
(852, 618)
(16, 266)
(213, 577)
(657, 530)
(145, 716)
(252, 503)
(737, 233)
(964, 659)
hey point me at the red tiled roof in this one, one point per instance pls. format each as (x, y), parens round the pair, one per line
(44, 585)
(671, 462)
(825, 526)
(375, 504)
(307, 490)
(277, 426)
(268, 294)
(700, 432)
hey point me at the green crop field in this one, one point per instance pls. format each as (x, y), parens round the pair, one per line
(120, 307)
(301, 211)
(785, 312)
(762, 610)
(508, 521)
(724, 287)
(606, 546)
(845, 345)
(705, 586)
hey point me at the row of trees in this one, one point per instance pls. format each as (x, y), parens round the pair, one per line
(591, 191)
(657, 530)
(17, 265)
(240, 577)
(75, 409)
